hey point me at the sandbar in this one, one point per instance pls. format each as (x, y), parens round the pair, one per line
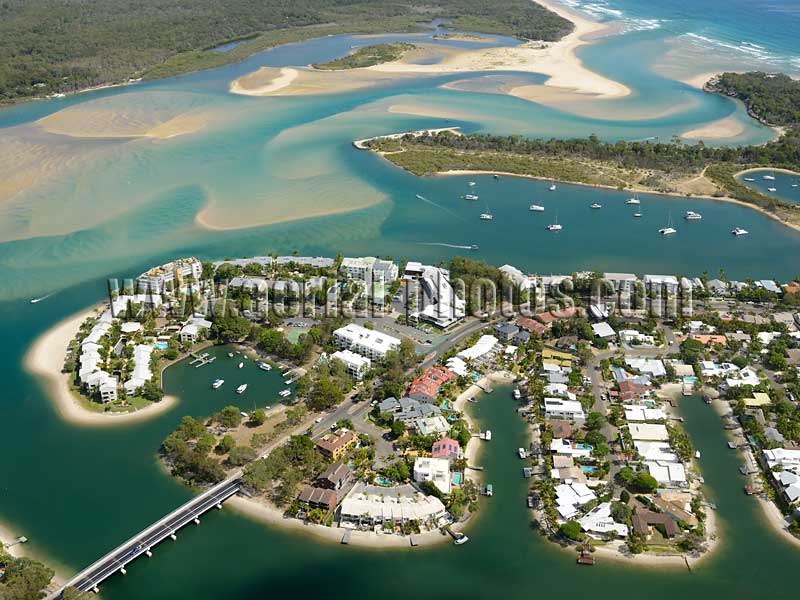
(45, 359)
(727, 127)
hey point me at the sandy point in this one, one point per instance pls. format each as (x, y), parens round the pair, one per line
(45, 358)
(265, 81)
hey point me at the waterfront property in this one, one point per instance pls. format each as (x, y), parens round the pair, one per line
(366, 342)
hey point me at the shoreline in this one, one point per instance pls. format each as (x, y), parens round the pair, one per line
(44, 359)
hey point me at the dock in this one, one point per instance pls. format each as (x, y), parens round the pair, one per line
(200, 360)
(346, 536)
(414, 540)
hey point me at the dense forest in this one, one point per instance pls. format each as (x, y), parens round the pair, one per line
(772, 98)
(56, 46)
(368, 56)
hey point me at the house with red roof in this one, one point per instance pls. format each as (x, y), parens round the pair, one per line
(425, 387)
(446, 448)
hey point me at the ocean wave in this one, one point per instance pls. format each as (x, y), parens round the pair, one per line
(743, 48)
(602, 11)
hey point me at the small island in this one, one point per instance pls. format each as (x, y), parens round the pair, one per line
(367, 56)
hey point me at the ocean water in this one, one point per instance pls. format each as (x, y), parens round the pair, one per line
(113, 207)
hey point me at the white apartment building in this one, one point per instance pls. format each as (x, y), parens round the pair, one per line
(438, 303)
(366, 342)
(436, 470)
(357, 365)
(170, 276)
(559, 408)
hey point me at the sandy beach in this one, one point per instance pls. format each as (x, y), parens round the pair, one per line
(45, 359)
(723, 128)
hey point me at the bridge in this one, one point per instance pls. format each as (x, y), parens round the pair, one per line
(90, 578)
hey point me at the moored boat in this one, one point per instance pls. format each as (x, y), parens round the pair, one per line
(241, 389)
(217, 383)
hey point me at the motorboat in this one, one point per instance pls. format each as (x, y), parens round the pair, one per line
(474, 247)
(470, 197)
(517, 394)
(749, 178)
(637, 214)
(241, 364)
(739, 231)
(596, 205)
(462, 539)
(521, 453)
(554, 227)
(536, 208)
(697, 454)
(692, 216)
(241, 389)
(285, 393)
(217, 383)
(486, 216)
(471, 184)
(552, 187)
(264, 366)
(770, 177)
(230, 354)
(772, 189)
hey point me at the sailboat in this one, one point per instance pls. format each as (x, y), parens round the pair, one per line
(633, 200)
(552, 187)
(555, 226)
(668, 230)
(638, 213)
(487, 216)
(739, 231)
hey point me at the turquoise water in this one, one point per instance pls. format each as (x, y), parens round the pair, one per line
(126, 204)
(787, 186)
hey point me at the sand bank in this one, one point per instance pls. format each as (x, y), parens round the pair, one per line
(263, 82)
(45, 359)
(723, 128)
(306, 81)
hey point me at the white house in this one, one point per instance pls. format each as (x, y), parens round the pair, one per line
(436, 470)
(599, 523)
(564, 447)
(631, 336)
(367, 342)
(193, 330)
(357, 365)
(648, 366)
(642, 413)
(746, 376)
(483, 349)
(570, 497)
(670, 474)
(559, 408)
(648, 432)
(603, 330)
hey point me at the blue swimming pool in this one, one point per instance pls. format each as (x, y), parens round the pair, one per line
(587, 469)
(457, 478)
(384, 481)
(584, 447)
(161, 345)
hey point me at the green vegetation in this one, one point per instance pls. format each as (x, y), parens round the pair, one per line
(773, 99)
(50, 46)
(24, 578)
(186, 451)
(661, 167)
(368, 56)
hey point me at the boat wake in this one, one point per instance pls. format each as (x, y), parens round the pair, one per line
(41, 298)
(456, 246)
(439, 206)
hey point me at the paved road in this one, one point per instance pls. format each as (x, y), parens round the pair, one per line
(130, 550)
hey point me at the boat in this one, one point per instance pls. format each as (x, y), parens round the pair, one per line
(517, 395)
(230, 354)
(420, 197)
(536, 208)
(521, 453)
(749, 179)
(739, 231)
(217, 383)
(669, 229)
(697, 453)
(596, 205)
(633, 200)
(285, 393)
(474, 247)
(472, 399)
(488, 436)
(772, 189)
(462, 539)
(241, 388)
(471, 184)
(470, 197)
(555, 226)
(770, 177)
(552, 187)
(486, 216)
(241, 364)
(692, 216)
(496, 176)
(264, 366)
(488, 490)
(637, 214)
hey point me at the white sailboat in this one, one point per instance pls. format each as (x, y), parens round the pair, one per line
(633, 200)
(669, 229)
(555, 226)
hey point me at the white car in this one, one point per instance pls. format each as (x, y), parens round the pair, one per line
(318, 420)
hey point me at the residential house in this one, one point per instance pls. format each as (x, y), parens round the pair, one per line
(446, 448)
(643, 520)
(426, 387)
(559, 408)
(436, 470)
(317, 497)
(334, 477)
(335, 445)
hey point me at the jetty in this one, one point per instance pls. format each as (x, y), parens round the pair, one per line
(201, 360)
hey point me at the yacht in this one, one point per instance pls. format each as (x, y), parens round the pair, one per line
(552, 187)
(521, 453)
(596, 205)
(697, 454)
(241, 364)
(739, 231)
(474, 247)
(241, 388)
(285, 393)
(462, 539)
(420, 197)
(536, 208)
(217, 383)
(770, 177)
(668, 230)
(554, 227)
(633, 200)
(470, 197)
(772, 189)
(749, 179)
(517, 394)
(692, 216)
(264, 366)
(486, 216)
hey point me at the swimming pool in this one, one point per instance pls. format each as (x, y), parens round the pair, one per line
(160, 345)
(384, 481)
(584, 447)
(587, 469)
(457, 478)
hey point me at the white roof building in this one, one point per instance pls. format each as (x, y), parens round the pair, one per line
(631, 336)
(559, 408)
(746, 376)
(657, 451)
(603, 330)
(648, 432)
(671, 474)
(570, 497)
(648, 366)
(569, 448)
(366, 505)
(439, 303)
(367, 342)
(436, 470)
(642, 413)
(356, 364)
(482, 348)
(457, 366)
(598, 522)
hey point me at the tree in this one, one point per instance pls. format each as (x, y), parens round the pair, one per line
(571, 530)
(644, 482)
(258, 417)
(229, 417)
(226, 444)
(398, 428)
(241, 455)
(152, 391)
(230, 328)
(24, 578)
(408, 353)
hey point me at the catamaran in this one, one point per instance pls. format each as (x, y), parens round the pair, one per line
(739, 231)
(692, 216)
(536, 208)
(217, 383)
(470, 197)
(555, 226)
(668, 230)
(241, 388)
(633, 200)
